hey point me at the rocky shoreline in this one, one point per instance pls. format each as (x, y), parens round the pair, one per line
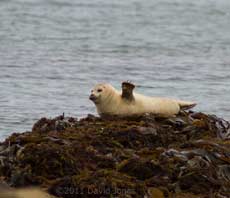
(184, 156)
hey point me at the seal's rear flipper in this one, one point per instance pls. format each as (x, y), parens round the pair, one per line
(185, 105)
(188, 106)
(127, 90)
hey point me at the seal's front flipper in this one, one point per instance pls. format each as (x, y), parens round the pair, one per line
(127, 90)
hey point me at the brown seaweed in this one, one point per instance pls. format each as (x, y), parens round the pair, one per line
(143, 156)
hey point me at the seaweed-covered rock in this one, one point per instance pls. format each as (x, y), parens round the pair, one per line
(101, 183)
(144, 156)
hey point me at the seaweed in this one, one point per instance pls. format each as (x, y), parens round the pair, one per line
(144, 156)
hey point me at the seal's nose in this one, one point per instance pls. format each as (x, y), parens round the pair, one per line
(92, 97)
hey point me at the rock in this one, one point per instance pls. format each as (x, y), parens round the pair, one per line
(155, 192)
(24, 193)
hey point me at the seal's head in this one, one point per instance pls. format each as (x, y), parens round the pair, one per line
(100, 93)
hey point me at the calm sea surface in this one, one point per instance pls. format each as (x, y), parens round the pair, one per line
(53, 51)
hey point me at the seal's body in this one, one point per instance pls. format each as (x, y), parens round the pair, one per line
(110, 101)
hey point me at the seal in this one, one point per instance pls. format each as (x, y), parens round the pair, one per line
(109, 101)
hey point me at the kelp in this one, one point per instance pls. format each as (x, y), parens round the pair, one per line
(144, 156)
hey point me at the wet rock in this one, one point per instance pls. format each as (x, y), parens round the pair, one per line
(155, 192)
(24, 193)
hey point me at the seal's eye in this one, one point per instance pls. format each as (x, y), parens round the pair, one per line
(99, 90)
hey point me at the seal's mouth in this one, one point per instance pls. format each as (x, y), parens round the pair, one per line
(93, 98)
